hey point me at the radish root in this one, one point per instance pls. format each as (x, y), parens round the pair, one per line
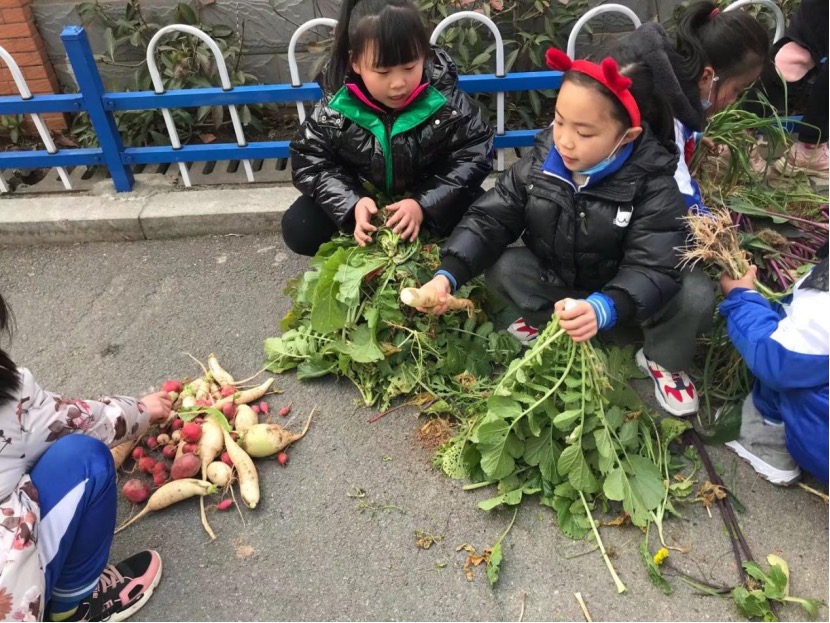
(415, 297)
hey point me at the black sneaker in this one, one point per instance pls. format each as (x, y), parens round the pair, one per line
(122, 589)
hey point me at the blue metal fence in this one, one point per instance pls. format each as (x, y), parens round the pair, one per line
(101, 106)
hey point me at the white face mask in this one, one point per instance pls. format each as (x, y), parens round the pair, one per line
(707, 103)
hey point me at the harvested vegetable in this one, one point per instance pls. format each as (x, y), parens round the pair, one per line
(191, 432)
(220, 474)
(263, 440)
(219, 373)
(171, 493)
(121, 452)
(136, 491)
(185, 466)
(416, 297)
(245, 418)
(282, 458)
(245, 471)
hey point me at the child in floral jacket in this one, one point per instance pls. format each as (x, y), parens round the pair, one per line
(58, 501)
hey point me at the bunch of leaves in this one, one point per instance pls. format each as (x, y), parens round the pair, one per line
(764, 587)
(528, 28)
(184, 62)
(347, 320)
(779, 222)
(558, 425)
(13, 126)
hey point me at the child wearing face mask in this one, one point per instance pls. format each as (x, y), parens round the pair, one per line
(391, 115)
(714, 57)
(599, 213)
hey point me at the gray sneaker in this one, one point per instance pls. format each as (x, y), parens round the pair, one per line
(763, 447)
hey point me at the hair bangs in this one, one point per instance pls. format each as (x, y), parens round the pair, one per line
(394, 37)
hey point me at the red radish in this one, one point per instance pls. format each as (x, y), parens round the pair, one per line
(138, 453)
(228, 390)
(177, 424)
(255, 409)
(226, 459)
(163, 439)
(228, 410)
(146, 464)
(285, 411)
(263, 407)
(160, 466)
(191, 432)
(282, 458)
(151, 443)
(186, 466)
(224, 505)
(136, 491)
(199, 420)
(189, 447)
(203, 403)
(161, 477)
(169, 452)
(171, 386)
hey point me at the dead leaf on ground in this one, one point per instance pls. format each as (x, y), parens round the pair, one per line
(435, 433)
(243, 551)
(622, 520)
(207, 138)
(709, 493)
(474, 559)
(425, 540)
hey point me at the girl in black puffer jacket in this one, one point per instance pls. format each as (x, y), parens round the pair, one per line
(393, 116)
(600, 215)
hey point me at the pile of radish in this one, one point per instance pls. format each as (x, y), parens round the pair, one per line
(207, 444)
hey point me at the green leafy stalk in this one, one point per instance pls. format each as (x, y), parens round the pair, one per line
(617, 582)
(495, 559)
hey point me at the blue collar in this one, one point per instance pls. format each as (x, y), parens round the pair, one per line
(555, 166)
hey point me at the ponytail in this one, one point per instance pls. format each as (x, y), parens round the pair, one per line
(392, 30)
(733, 43)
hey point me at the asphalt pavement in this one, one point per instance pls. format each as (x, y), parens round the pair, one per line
(334, 537)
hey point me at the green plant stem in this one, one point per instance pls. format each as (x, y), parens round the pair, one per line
(617, 582)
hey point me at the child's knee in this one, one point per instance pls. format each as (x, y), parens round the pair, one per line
(86, 455)
(698, 293)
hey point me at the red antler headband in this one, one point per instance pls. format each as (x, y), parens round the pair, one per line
(606, 73)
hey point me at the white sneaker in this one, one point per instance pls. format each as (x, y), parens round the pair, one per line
(523, 332)
(675, 391)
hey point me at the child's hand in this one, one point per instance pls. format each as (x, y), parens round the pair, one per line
(406, 218)
(439, 285)
(727, 284)
(159, 406)
(364, 210)
(578, 320)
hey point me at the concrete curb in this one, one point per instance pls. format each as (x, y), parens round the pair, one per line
(156, 209)
(153, 210)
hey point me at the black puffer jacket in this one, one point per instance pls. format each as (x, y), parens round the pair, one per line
(441, 150)
(576, 235)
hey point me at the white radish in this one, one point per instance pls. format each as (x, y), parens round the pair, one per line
(245, 472)
(169, 494)
(244, 419)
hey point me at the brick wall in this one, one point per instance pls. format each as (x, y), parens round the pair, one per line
(20, 37)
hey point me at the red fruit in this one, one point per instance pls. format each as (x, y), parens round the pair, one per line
(224, 505)
(282, 458)
(228, 390)
(161, 478)
(189, 447)
(226, 459)
(285, 411)
(263, 406)
(138, 453)
(229, 410)
(191, 432)
(169, 452)
(136, 491)
(146, 464)
(255, 409)
(171, 386)
(151, 443)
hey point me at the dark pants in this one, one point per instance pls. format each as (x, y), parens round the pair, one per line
(670, 334)
(306, 226)
(75, 480)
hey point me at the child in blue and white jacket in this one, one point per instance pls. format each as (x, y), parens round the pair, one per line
(785, 419)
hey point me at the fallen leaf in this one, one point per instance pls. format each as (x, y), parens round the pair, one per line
(709, 493)
(242, 551)
(207, 138)
(425, 541)
(622, 520)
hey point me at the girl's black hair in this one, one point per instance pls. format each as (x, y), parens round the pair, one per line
(392, 29)
(653, 106)
(9, 379)
(732, 42)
